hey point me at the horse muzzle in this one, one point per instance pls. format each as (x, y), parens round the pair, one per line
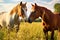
(29, 20)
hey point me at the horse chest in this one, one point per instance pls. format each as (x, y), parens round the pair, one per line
(46, 20)
(50, 21)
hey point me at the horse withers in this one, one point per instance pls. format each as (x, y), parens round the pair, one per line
(51, 21)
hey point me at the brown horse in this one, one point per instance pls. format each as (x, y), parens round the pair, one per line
(51, 21)
(18, 12)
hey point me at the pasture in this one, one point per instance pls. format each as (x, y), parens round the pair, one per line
(27, 31)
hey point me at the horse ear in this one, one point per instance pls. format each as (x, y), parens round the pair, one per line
(35, 4)
(21, 3)
(25, 3)
(32, 4)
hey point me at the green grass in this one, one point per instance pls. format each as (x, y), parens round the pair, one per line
(27, 31)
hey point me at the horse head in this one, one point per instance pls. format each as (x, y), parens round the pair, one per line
(35, 13)
(23, 9)
(20, 10)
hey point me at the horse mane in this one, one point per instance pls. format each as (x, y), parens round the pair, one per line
(15, 9)
(44, 9)
(46, 14)
(47, 10)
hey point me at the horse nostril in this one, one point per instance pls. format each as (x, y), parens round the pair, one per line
(29, 20)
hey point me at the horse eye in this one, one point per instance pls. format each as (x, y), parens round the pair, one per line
(34, 12)
(26, 9)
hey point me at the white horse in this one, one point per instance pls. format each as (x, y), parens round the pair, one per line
(4, 19)
(12, 19)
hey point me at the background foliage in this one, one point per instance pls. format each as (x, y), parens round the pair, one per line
(57, 7)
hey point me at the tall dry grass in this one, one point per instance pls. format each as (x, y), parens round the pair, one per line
(27, 31)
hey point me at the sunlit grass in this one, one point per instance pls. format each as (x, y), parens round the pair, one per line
(27, 31)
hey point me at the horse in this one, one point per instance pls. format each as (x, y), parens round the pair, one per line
(4, 19)
(51, 21)
(12, 19)
(16, 14)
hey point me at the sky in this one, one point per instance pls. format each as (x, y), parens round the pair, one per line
(7, 5)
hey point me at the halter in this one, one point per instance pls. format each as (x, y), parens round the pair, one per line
(43, 14)
(23, 13)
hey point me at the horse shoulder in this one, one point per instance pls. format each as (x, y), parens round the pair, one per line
(46, 18)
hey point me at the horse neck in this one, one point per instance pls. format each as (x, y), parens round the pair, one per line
(46, 11)
(46, 14)
(16, 9)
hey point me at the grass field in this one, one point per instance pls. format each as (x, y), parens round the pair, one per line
(27, 31)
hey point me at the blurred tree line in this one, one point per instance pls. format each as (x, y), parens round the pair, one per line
(57, 7)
